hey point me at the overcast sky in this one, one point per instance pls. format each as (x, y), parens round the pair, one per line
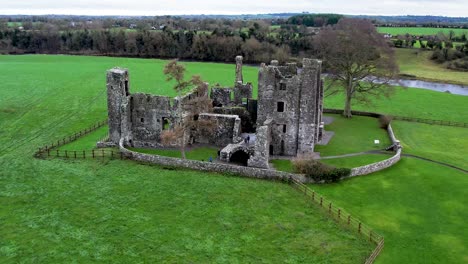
(180, 7)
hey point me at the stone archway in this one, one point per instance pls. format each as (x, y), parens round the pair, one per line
(240, 157)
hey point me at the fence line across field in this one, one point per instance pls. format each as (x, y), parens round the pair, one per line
(343, 217)
(401, 118)
(48, 148)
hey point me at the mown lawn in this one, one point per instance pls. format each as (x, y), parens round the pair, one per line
(59, 211)
(353, 135)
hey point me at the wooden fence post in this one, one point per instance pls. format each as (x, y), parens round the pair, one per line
(74, 152)
(359, 228)
(329, 208)
(58, 153)
(349, 219)
(66, 154)
(102, 153)
(92, 153)
(313, 196)
(339, 213)
(321, 201)
(84, 154)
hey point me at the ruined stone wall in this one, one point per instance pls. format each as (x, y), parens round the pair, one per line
(221, 96)
(150, 115)
(242, 92)
(261, 156)
(227, 130)
(247, 123)
(208, 166)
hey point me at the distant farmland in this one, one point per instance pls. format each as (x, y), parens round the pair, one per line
(420, 30)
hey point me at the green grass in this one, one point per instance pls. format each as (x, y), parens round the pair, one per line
(119, 211)
(441, 143)
(419, 207)
(355, 161)
(61, 211)
(353, 135)
(196, 153)
(87, 142)
(283, 165)
(412, 103)
(417, 63)
(420, 30)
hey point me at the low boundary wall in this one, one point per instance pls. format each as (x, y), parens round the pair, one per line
(381, 165)
(377, 166)
(209, 166)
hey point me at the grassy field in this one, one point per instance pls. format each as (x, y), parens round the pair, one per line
(119, 211)
(420, 30)
(419, 207)
(444, 144)
(59, 211)
(417, 63)
(358, 136)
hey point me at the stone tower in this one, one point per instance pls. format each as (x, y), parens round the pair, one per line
(117, 103)
(290, 102)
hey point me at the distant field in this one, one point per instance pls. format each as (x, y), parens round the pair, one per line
(420, 31)
(416, 62)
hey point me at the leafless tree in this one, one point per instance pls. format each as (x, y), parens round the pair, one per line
(359, 60)
(189, 110)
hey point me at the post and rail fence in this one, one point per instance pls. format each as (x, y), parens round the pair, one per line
(50, 150)
(342, 217)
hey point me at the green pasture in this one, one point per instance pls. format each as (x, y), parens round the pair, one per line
(64, 211)
(57, 211)
(421, 31)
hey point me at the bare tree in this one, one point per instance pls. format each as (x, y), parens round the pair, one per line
(359, 60)
(188, 111)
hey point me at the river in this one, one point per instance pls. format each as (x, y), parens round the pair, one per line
(434, 86)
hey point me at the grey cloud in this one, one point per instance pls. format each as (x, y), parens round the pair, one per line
(159, 7)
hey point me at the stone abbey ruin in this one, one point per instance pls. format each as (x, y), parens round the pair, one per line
(286, 120)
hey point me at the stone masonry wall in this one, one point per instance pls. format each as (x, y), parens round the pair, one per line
(208, 166)
(378, 166)
(227, 129)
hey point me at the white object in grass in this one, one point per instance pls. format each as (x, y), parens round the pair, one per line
(376, 141)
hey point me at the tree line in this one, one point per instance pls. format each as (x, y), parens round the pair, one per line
(255, 44)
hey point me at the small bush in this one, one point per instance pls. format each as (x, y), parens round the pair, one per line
(384, 121)
(318, 171)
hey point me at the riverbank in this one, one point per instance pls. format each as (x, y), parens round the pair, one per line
(415, 64)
